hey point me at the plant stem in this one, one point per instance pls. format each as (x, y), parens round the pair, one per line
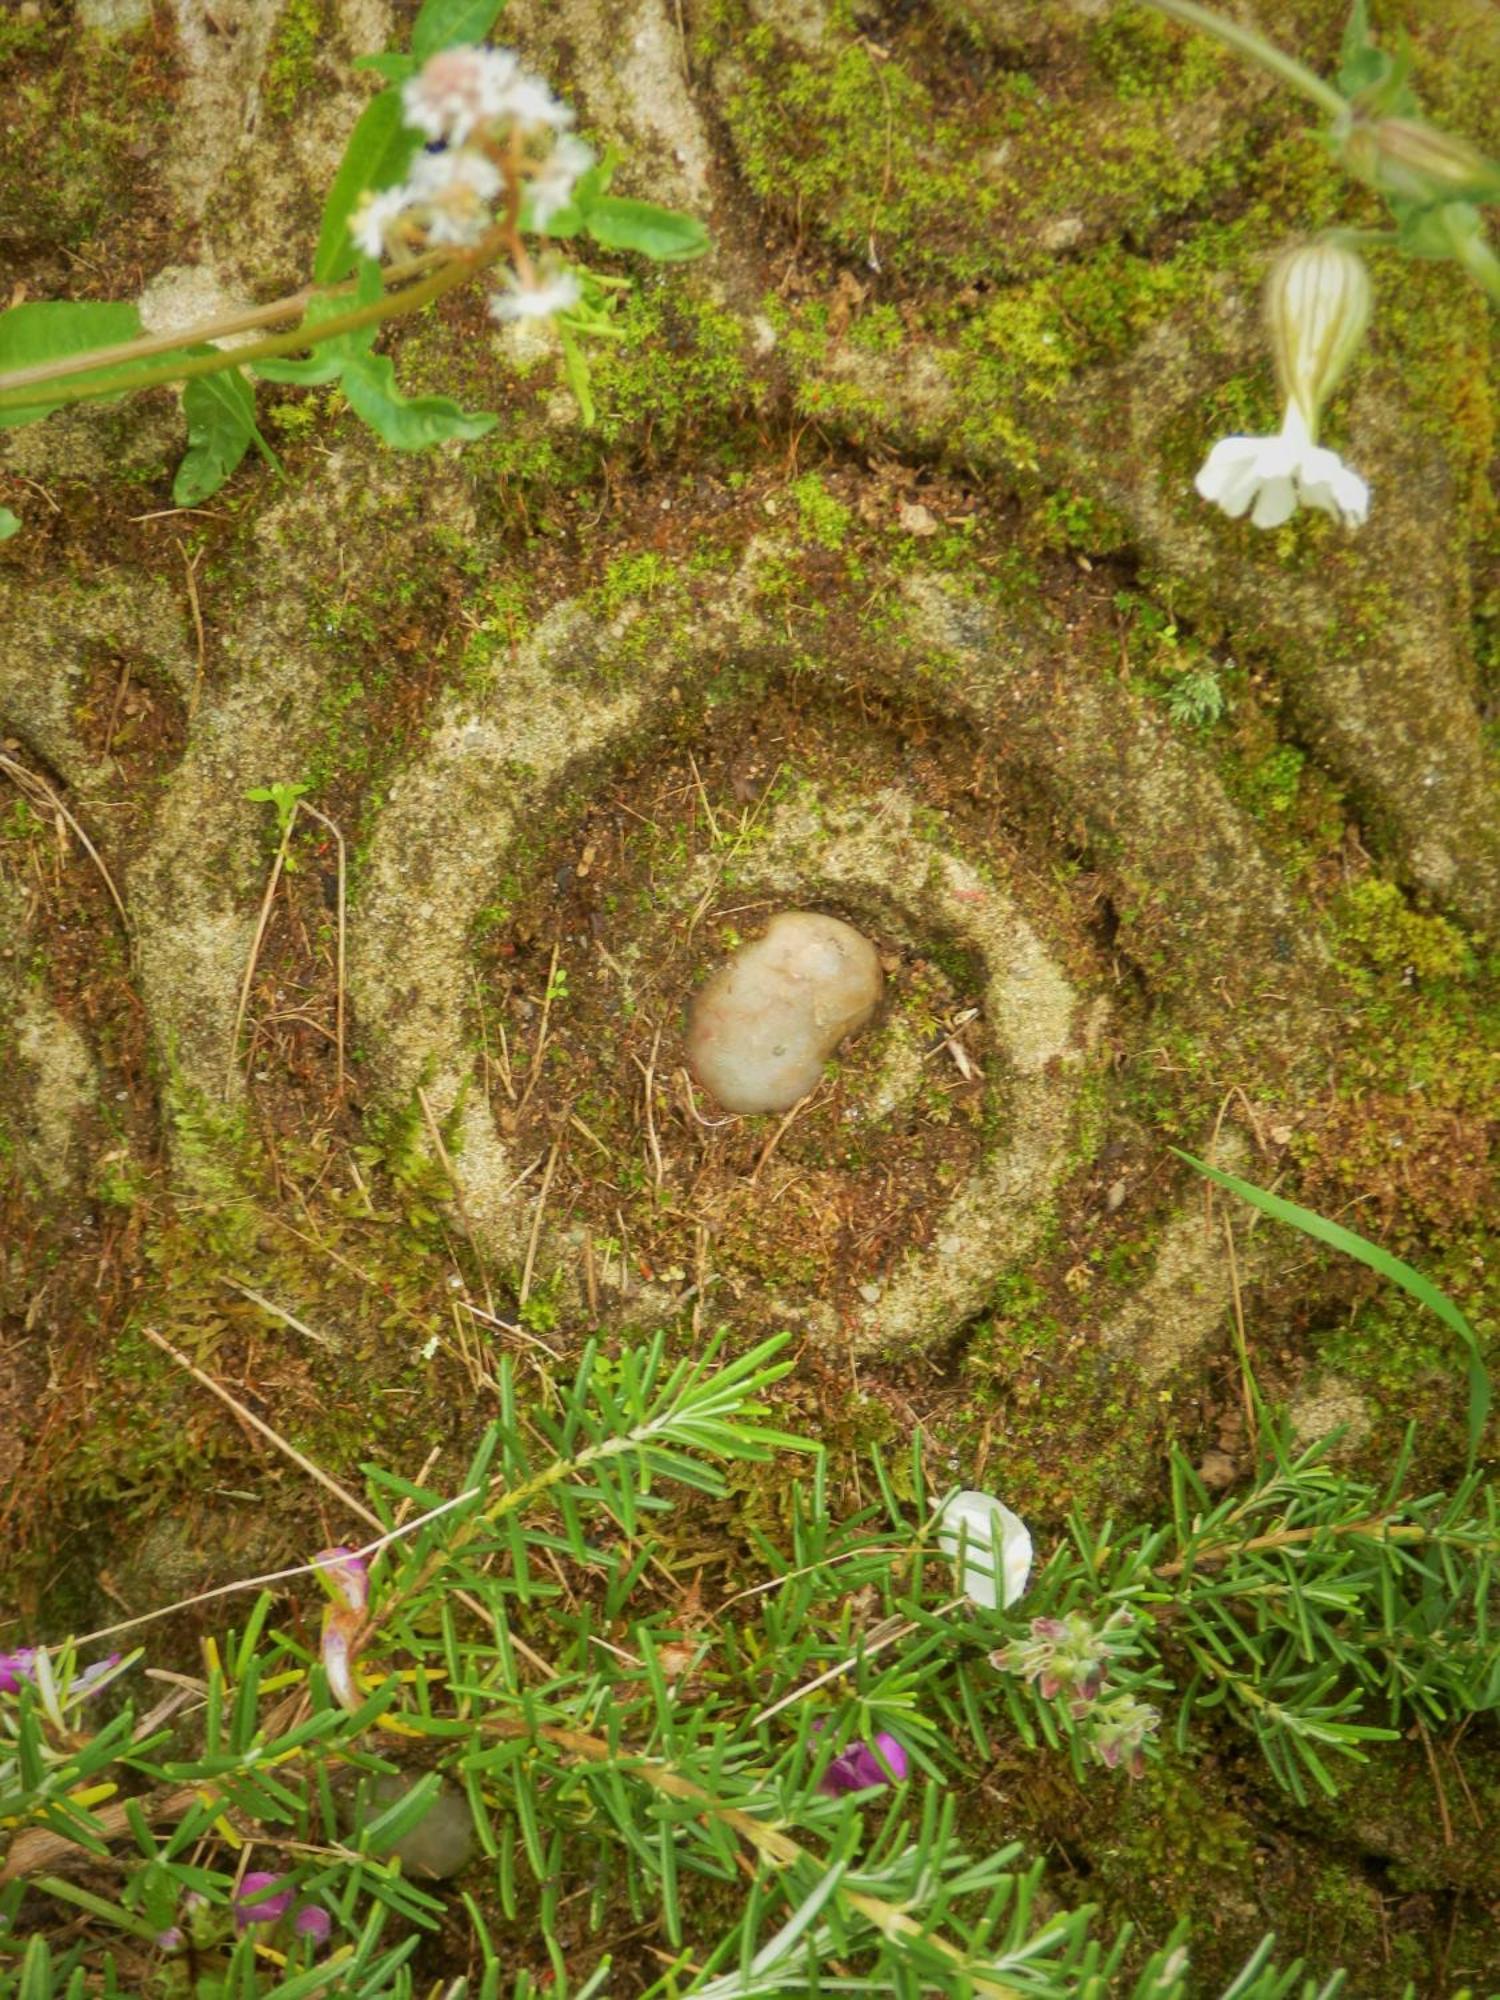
(454, 271)
(221, 327)
(1246, 42)
(1379, 1526)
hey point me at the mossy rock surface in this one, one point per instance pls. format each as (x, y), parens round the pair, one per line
(879, 586)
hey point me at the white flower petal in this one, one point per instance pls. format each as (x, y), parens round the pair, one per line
(1275, 501)
(373, 225)
(554, 294)
(1325, 481)
(1271, 476)
(987, 1533)
(1229, 462)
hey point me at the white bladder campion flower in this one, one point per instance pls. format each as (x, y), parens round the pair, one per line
(990, 1545)
(1317, 309)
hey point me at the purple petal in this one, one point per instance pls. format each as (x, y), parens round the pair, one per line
(255, 1902)
(861, 1766)
(169, 1939)
(88, 1680)
(17, 1667)
(314, 1923)
(346, 1575)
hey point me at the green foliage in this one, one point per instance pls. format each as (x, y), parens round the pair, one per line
(379, 151)
(658, 1755)
(9, 524)
(618, 223)
(220, 412)
(450, 24)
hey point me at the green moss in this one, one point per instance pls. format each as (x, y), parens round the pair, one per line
(302, 28)
(1374, 922)
(82, 115)
(678, 367)
(822, 519)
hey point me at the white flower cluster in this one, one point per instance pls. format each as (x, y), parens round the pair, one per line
(497, 134)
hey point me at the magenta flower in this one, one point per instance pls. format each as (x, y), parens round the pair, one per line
(17, 1667)
(255, 1902)
(312, 1922)
(862, 1765)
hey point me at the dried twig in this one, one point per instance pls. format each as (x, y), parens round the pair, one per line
(648, 1075)
(536, 1222)
(39, 792)
(279, 1312)
(313, 1470)
(258, 940)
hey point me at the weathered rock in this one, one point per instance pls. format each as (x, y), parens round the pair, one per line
(762, 1027)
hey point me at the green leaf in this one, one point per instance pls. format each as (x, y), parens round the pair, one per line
(9, 524)
(620, 223)
(326, 364)
(1338, 1238)
(407, 423)
(379, 150)
(55, 330)
(449, 24)
(576, 368)
(393, 66)
(220, 412)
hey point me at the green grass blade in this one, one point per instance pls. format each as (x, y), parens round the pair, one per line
(1338, 1238)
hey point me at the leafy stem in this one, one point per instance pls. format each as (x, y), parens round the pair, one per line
(18, 390)
(1246, 42)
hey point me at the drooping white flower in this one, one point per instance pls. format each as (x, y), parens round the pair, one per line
(990, 1544)
(459, 90)
(1317, 309)
(1270, 477)
(551, 186)
(553, 292)
(376, 225)
(452, 191)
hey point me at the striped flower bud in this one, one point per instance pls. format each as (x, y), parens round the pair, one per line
(1317, 309)
(1415, 162)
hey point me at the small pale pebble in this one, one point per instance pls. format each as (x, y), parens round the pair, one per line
(761, 1029)
(441, 1843)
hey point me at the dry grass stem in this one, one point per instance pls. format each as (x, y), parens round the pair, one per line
(280, 1312)
(648, 1076)
(39, 792)
(339, 985)
(257, 941)
(536, 1222)
(313, 1470)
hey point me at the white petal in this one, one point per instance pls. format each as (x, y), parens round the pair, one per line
(1325, 481)
(1275, 502)
(1225, 463)
(989, 1534)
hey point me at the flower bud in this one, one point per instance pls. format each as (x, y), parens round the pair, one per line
(1317, 309)
(1415, 162)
